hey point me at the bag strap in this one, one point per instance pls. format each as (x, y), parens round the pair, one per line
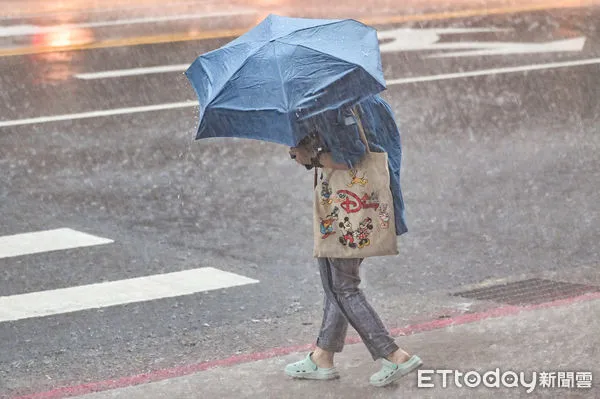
(361, 129)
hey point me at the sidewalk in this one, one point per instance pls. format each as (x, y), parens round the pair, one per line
(557, 337)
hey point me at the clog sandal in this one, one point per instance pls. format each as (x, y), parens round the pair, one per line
(307, 369)
(391, 372)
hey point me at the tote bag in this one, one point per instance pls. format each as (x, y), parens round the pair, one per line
(354, 209)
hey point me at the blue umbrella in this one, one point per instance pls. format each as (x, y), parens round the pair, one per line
(269, 83)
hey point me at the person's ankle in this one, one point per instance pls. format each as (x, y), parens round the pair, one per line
(322, 359)
(399, 357)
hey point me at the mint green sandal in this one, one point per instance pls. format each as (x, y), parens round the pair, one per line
(307, 369)
(391, 372)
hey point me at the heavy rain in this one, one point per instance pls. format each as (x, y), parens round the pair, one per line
(140, 258)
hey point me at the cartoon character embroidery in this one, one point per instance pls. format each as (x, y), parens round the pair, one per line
(327, 223)
(355, 179)
(364, 229)
(372, 198)
(384, 216)
(352, 203)
(348, 234)
(340, 197)
(326, 193)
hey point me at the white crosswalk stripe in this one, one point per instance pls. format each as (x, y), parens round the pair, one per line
(65, 300)
(45, 241)
(99, 295)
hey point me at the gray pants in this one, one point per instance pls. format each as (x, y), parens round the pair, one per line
(345, 303)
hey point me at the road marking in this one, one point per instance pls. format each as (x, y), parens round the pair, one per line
(403, 39)
(504, 48)
(99, 295)
(46, 241)
(133, 72)
(409, 39)
(95, 114)
(223, 34)
(494, 71)
(21, 30)
(391, 82)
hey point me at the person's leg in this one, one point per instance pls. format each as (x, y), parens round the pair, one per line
(334, 325)
(343, 279)
(345, 303)
(351, 301)
(319, 363)
(331, 336)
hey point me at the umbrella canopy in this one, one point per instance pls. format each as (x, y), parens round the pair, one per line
(268, 82)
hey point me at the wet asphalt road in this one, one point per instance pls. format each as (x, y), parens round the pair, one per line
(500, 177)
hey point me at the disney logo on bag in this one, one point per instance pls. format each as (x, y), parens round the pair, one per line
(352, 203)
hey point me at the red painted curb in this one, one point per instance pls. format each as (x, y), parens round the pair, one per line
(159, 375)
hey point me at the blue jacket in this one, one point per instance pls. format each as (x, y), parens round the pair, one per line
(342, 139)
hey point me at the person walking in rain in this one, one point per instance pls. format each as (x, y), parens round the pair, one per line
(344, 301)
(243, 93)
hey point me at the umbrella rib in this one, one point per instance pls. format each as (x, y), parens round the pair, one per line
(299, 45)
(320, 52)
(338, 21)
(312, 27)
(285, 98)
(332, 56)
(236, 71)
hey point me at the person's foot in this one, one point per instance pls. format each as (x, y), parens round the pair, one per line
(392, 371)
(308, 369)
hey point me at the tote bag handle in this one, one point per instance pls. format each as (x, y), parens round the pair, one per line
(361, 131)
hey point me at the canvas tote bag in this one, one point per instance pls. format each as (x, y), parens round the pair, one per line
(354, 209)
